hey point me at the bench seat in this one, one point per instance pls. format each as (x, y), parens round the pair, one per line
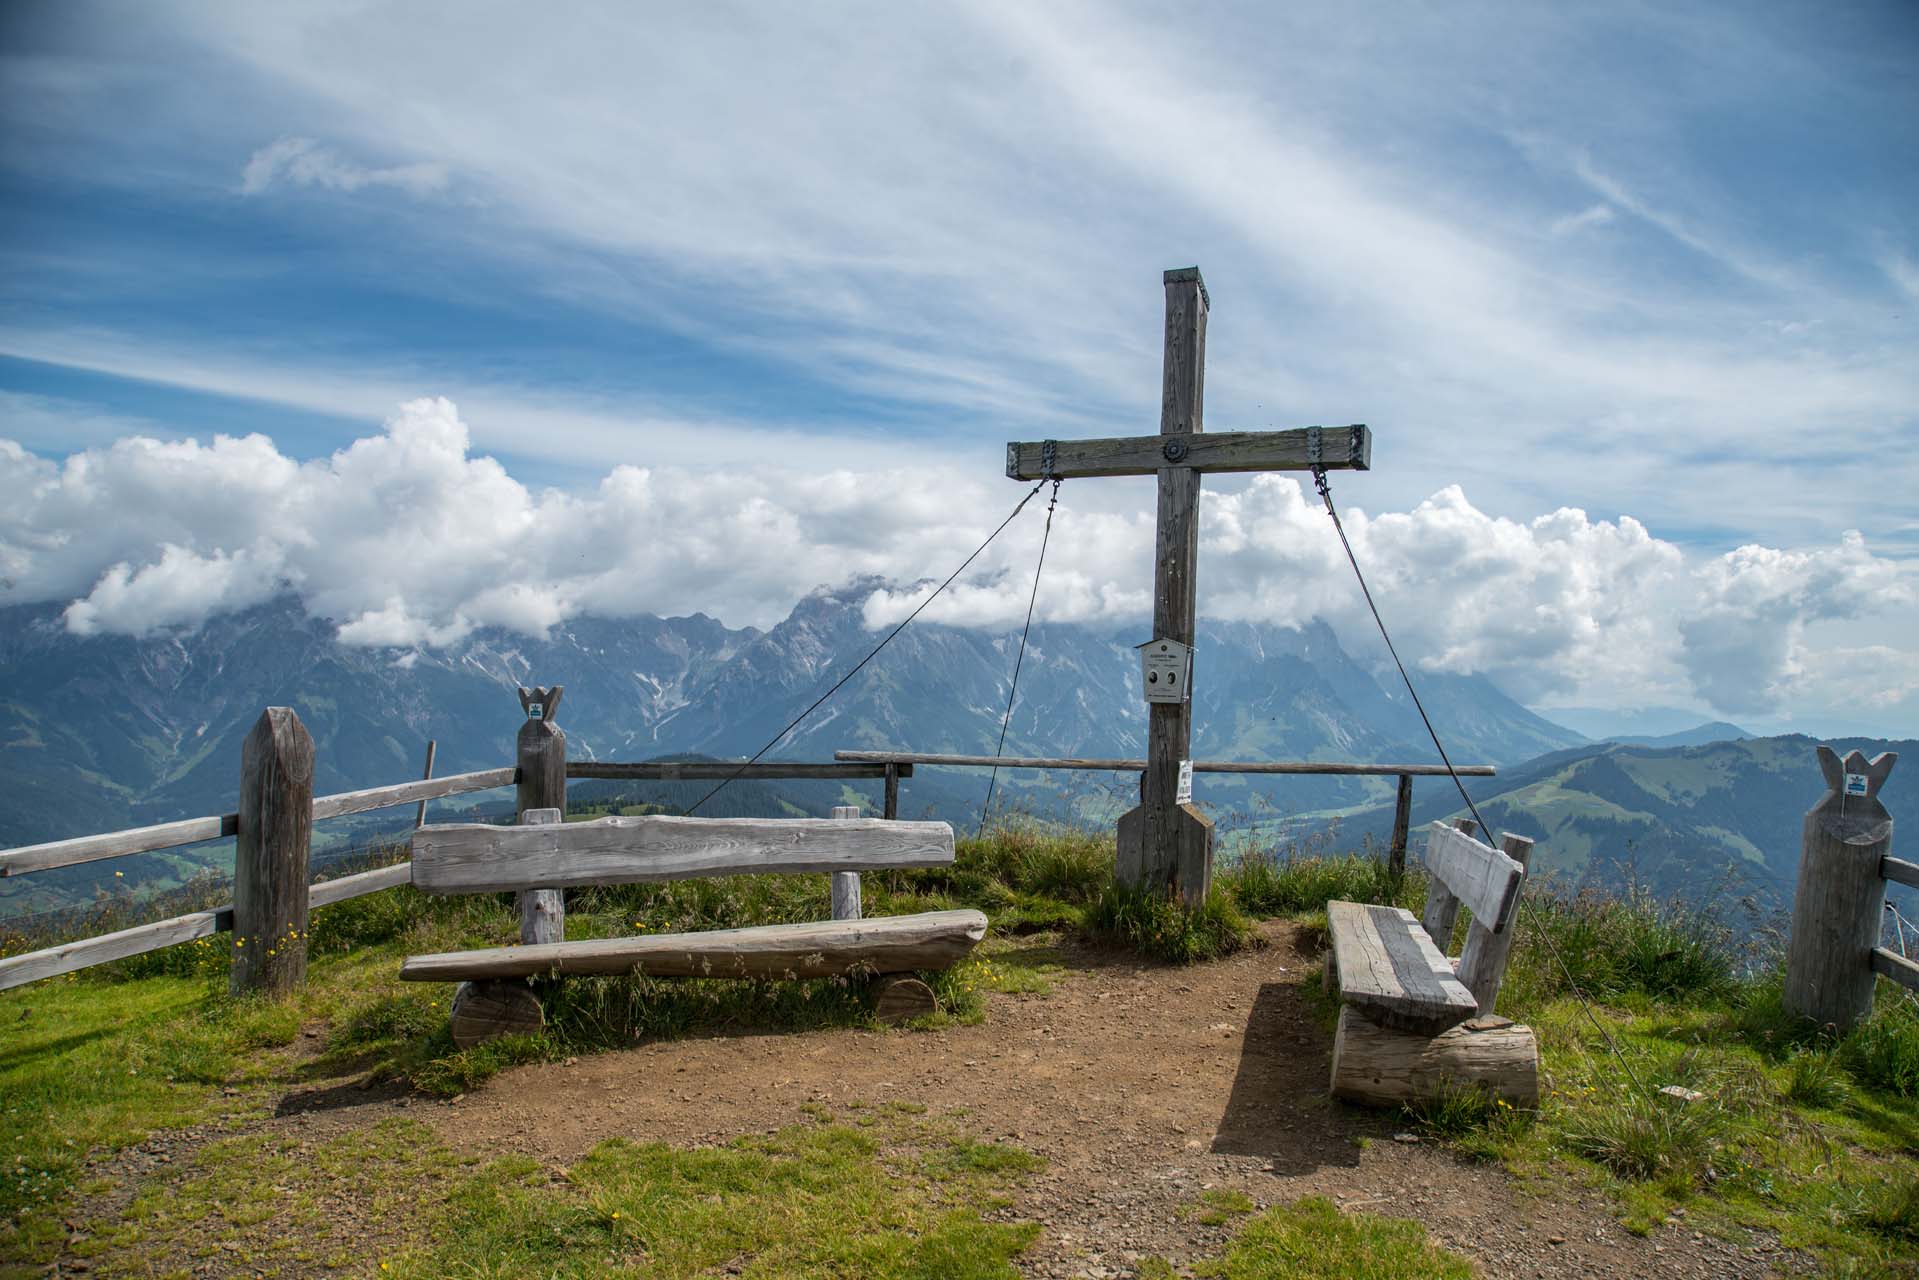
(1390, 970)
(887, 944)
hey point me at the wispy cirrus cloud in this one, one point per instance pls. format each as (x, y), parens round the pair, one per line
(302, 162)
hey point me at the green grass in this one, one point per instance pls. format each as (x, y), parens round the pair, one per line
(1313, 1240)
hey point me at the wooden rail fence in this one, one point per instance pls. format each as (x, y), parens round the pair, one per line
(1402, 810)
(271, 870)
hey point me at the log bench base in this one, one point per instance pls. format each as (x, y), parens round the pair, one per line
(1384, 1067)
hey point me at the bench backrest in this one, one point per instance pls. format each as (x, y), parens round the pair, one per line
(1478, 876)
(1486, 881)
(476, 858)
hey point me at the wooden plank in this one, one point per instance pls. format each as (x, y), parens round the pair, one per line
(1482, 964)
(1899, 871)
(116, 844)
(474, 858)
(1895, 966)
(1485, 881)
(69, 956)
(327, 892)
(1309, 767)
(1390, 970)
(453, 784)
(889, 944)
(894, 772)
(271, 856)
(1347, 448)
(1442, 905)
(718, 770)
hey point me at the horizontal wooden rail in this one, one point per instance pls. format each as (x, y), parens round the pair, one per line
(1895, 966)
(718, 770)
(51, 962)
(119, 844)
(1899, 871)
(1199, 766)
(454, 784)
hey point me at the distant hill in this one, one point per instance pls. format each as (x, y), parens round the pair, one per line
(1698, 735)
(1691, 821)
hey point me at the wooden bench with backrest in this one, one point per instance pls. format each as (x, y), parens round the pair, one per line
(1415, 1023)
(544, 856)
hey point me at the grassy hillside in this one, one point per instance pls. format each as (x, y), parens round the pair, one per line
(1806, 1137)
(1695, 821)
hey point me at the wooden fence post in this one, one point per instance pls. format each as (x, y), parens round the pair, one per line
(1402, 824)
(892, 803)
(542, 785)
(432, 746)
(846, 884)
(271, 854)
(1837, 908)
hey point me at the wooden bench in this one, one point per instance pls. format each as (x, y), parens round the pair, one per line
(543, 856)
(1415, 1023)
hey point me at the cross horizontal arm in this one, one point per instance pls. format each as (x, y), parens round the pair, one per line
(1339, 449)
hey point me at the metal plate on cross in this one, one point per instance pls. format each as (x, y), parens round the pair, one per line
(1166, 669)
(1858, 784)
(1184, 793)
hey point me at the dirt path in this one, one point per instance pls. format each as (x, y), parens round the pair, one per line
(1143, 1086)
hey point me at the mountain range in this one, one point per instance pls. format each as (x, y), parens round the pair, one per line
(102, 732)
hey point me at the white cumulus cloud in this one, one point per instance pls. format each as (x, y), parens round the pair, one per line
(405, 538)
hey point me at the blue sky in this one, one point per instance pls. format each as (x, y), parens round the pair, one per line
(1657, 264)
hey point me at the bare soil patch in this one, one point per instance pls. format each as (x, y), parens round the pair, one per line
(1143, 1086)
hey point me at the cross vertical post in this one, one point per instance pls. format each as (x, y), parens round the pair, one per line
(1163, 843)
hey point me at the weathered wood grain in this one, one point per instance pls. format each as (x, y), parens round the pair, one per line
(888, 944)
(1485, 881)
(1895, 966)
(474, 858)
(542, 911)
(1383, 1067)
(51, 962)
(846, 884)
(908, 758)
(271, 855)
(718, 770)
(1442, 905)
(484, 1010)
(891, 801)
(1838, 907)
(454, 784)
(1482, 964)
(325, 893)
(1347, 448)
(900, 997)
(1899, 871)
(1389, 970)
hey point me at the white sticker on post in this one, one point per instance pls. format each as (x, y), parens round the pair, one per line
(1857, 784)
(1184, 795)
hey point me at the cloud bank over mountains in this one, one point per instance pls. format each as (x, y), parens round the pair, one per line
(405, 538)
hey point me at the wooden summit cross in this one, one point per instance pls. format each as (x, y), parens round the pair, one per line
(1164, 841)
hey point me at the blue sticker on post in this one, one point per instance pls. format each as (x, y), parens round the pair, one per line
(1856, 784)
(535, 710)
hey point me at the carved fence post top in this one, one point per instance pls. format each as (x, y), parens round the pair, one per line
(541, 702)
(1856, 778)
(279, 732)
